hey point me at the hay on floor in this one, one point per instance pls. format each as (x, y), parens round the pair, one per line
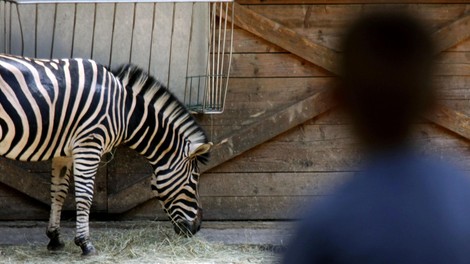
(153, 243)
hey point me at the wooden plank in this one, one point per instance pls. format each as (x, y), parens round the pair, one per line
(462, 46)
(14, 206)
(324, 24)
(332, 149)
(454, 69)
(161, 41)
(451, 119)
(265, 183)
(127, 198)
(2, 26)
(32, 179)
(44, 30)
(330, 2)
(452, 34)
(6, 25)
(15, 32)
(236, 208)
(122, 171)
(28, 20)
(307, 17)
(271, 184)
(63, 31)
(198, 46)
(452, 87)
(246, 42)
(338, 17)
(122, 37)
(274, 65)
(16, 41)
(285, 38)
(103, 33)
(83, 34)
(268, 127)
(274, 91)
(179, 49)
(142, 36)
(462, 105)
(27, 183)
(454, 57)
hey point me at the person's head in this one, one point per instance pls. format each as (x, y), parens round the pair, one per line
(386, 71)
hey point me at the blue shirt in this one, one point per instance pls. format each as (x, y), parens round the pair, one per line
(399, 209)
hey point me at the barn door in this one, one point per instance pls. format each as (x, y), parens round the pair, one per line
(159, 37)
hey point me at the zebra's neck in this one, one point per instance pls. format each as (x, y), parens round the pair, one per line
(158, 125)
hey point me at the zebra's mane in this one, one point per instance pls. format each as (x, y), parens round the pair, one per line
(140, 83)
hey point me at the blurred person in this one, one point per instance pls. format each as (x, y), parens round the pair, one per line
(401, 208)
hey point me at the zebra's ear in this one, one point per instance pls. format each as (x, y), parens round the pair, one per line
(199, 149)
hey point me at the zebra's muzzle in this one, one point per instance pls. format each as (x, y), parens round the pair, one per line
(187, 228)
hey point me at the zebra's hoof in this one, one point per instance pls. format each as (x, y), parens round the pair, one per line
(55, 243)
(89, 251)
(87, 247)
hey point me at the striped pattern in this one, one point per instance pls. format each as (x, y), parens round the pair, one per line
(168, 140)
(74, 110)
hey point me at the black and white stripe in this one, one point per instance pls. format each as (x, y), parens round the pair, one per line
(74, 110)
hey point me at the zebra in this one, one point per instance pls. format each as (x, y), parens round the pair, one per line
(73, 111)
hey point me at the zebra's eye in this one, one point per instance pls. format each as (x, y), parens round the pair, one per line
(196, 175)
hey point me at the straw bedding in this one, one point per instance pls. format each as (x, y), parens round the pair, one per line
(153, 243)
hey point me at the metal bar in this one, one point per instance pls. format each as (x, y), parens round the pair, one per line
(188, 55)
(73, 29)
(21, 29)
(221, 100)
(132, 32)
(53, 30)
(212, 76)
(9, 33)
(36, 32)
(93, 34)
(112, 36)
(5, 27)
(218, 72)
(171, 46)
(151, 37)
(230, 58)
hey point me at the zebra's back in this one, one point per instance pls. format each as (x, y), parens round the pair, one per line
(47, 105)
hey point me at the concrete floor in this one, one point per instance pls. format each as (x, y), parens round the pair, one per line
(270, 234)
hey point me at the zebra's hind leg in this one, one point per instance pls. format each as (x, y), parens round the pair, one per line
(86, 163)
(60, 179)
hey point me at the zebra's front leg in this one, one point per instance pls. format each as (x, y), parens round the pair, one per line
(60, 179)
(85, 166)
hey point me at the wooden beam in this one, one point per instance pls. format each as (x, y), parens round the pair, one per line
(284, 37)
(130, 197)
(268, 126)
(24, 181)
(452, 34)
(451, 119)
(329, 2)
(271, 125)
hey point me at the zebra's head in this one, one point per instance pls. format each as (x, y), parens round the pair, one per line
(177, 188)
(162, 130)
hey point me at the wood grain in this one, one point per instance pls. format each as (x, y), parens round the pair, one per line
(332, 2)
(284, 37)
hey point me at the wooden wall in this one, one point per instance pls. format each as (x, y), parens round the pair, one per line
(276, 179)
(304, 164)
(166, 39)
